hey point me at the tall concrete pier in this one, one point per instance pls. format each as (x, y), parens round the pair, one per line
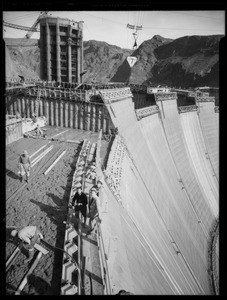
(61, 48)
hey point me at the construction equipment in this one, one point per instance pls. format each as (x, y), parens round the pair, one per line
(7, 24)
(34, 26)
(135, 35)
(30, 30)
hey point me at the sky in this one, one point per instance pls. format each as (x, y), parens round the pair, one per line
(111, 26)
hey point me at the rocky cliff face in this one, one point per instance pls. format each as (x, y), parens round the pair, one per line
(146, 60)
(102, 60)
(22, 58)
(187, 62)
(184, 62)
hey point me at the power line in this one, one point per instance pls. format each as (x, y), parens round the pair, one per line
(196, 16)
(103, 19)
(86, 27)
(20, 17)
(177, 28)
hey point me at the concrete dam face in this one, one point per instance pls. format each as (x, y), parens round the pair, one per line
(160, 198)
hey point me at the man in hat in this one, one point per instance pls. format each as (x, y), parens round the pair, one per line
(96, 187)
(24, 165)
(94, 210)
(38, 130)
(30, 235)
(81, 203)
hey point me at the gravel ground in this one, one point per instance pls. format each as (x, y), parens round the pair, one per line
(42, 202)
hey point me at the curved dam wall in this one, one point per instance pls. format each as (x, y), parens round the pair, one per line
(160, 197)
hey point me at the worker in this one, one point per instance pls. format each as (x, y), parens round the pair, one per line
(94, 210)
(97, 187)
(30, 235)
(34, 118)
(81, 203)
(38, 130)
(24, 165)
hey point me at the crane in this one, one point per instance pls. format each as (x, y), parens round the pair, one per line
(19, 27)
(135, 35)
(132, 59)
(30, 30)
(34, 26)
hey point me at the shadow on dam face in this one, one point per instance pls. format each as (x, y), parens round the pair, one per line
(161, 194)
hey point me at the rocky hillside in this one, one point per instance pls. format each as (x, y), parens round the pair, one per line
(102, 60)
(187, 62)
(22, 58)
(184, 62)
(146, 60)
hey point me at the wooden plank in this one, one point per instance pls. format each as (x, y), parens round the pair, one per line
(54, 163)
(41, 249)
(79, 254)
(59, 133)
(38, 150)
(43, 154)
(83, 274)
(25, 279)
(13, 257)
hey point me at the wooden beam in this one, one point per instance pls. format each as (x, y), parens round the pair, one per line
(34, 160)
(25, 279)
(54, 163)
(42, 155)
(39, 150)
(41, 249)
(13, 256)
(59, 133)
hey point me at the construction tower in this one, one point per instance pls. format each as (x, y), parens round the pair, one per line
(61, 49)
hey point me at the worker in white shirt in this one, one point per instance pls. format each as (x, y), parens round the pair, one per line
(30, 235)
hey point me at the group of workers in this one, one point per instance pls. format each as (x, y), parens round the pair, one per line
(89, 208)
(87, 205)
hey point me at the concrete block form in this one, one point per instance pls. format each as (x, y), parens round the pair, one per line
(70, 244)
(70, 248)
(69, 289)
(67, 270)
(70, 233)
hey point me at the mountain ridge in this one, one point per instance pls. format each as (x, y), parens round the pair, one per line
(183, 62)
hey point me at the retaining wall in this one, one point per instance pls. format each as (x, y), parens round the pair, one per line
(13, 130)
(63, 113)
